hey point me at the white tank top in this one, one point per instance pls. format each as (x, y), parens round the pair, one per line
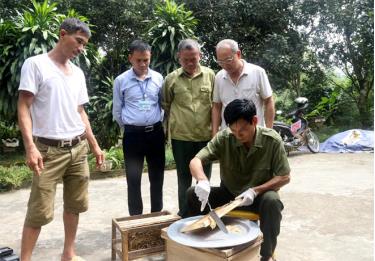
(54, 110)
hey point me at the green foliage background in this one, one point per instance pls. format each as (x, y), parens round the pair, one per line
(322, 50)
(174, 23)
(301, 44)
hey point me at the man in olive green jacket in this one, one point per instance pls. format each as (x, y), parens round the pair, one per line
(253, 166)
(187, 101)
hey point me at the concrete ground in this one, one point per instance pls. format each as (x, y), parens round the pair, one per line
(328, 215)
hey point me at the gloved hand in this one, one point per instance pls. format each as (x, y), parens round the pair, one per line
(202, 190)
(248, 197)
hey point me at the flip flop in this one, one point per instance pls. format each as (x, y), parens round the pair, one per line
(77, 258)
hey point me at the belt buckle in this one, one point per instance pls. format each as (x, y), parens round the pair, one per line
(149, 128)
(64, 143)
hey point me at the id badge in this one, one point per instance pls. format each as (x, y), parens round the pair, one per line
(144, 105)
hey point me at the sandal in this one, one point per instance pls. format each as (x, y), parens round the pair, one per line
(74, 258)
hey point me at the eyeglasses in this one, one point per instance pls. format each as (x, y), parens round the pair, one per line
(225, 61)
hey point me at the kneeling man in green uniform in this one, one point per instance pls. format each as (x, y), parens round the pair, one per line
(253, 166)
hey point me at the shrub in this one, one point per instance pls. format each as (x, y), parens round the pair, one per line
(172, 24)
(100, 113)
(9, 130)
(114, 154)
(14, 177)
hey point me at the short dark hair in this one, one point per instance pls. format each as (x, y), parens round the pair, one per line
(239, 109)
(139, 45)
(73, 25)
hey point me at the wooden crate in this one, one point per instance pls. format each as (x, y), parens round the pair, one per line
(179, 252)
(137, 236)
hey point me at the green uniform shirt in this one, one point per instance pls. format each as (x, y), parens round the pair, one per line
(187, 103)
(240, 168)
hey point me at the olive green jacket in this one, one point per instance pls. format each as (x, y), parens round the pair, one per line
(242, 168)
(187, 103)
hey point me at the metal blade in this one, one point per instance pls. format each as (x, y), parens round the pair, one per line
(217, 219)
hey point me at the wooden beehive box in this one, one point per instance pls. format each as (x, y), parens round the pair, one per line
(179, 252)
(137, 236)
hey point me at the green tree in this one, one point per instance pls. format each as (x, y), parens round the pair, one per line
(247, 22)
(9, 8)
(269, 35)
(173, 23)
(30, 33)
(344, 38)
(117, 23)
(100, 113)
(33, 31)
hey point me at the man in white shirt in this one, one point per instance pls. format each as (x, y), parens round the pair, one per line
(240, 80)
(57, 135)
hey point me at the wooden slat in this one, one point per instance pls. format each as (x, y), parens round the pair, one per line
(126, 224)
(153, 214)
(207, 220)
(145, 252)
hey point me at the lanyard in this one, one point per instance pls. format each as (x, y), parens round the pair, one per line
(143, 87)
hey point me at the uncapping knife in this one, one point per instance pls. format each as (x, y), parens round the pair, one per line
(218, 221)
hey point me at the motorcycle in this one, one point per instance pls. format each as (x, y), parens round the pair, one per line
(297, 134)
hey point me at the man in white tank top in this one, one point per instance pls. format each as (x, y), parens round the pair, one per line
(57, 135)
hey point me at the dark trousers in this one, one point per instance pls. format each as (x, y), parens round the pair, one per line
(183, 153)
(138, 145)
(268, 205)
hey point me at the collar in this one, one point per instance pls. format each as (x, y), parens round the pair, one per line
(258, 138)
(181, 72)
(257, 142)
(245, 70)
(134, 76)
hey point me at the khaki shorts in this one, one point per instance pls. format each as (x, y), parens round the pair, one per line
(67, 164)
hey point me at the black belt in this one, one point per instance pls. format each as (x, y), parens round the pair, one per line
(149, 128)
(62, 143)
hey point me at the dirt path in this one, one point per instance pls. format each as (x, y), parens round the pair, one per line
(328, 212)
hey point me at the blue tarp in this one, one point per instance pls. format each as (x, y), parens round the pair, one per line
(355, 140)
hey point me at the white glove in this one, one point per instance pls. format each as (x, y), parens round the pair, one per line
(248, 197)
(202, 190)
